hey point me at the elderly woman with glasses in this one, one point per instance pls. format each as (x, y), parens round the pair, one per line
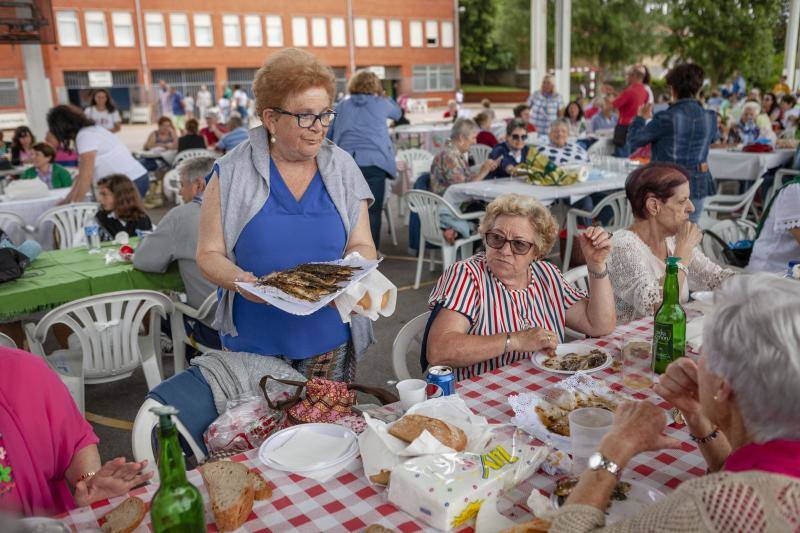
(286, 196)
(513, 150)
(450, 165)
(505, 304)
(741, 403)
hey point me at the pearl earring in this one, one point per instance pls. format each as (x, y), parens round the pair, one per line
(272, 139)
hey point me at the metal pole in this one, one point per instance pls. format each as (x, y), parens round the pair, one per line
(538, 40)
(791, 49)
(36, 86)
(457, 28)
(563, 50)
(143, 53)
(351, 40)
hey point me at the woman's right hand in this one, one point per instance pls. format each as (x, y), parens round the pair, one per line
(534, 340)
(678, 386)
(490, 165)
(687, 239)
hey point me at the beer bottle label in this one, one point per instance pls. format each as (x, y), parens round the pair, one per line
(662, 345)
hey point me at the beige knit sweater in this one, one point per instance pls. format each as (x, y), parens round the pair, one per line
(723, 502)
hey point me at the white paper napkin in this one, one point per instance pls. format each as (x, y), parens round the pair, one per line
(307, 448)
(694, 332)
(375, 290)
(489, 520)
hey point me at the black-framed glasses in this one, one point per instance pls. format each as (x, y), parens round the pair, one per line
(497, 241)
(307, 120)
(516, 137)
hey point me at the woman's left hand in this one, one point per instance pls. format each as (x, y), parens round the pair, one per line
(115, 478)
(595, 244)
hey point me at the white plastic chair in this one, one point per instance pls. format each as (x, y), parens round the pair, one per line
(142, 434)
(7, 341)
(409, 338)
(179, 338)
(387, 211)
(428, 206)
(69, 221)
(729, 204)
(9, 221)
(779, 177)
(172, 186)
(579, 277)
(418, 159)
(479, 153)
(728, 231)
(602, 146)
(622, 218)
(109, 345)
(192, 153)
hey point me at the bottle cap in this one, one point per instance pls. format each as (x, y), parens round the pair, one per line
(673, 261)
(164, 410)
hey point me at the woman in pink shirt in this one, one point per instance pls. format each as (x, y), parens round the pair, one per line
(47, 447)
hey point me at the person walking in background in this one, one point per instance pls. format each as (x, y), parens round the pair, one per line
(360, 129)
(164, 98)
(177, 108)
(628, 104)
(545, 106)
(103, 111)
(203, 102)
(188, 106)
(240, 102)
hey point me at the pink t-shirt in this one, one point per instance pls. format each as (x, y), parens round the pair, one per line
(41, 429)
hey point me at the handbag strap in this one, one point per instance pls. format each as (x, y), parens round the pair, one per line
(284, 404)
(383, 395)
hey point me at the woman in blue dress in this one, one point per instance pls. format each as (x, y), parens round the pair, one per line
(283, 197)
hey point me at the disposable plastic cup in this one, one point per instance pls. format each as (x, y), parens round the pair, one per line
(412, 392)
(587, 426)
(637, 364)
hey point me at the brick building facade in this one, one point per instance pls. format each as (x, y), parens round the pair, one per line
(189, 43)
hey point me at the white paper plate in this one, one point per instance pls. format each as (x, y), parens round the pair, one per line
(640, 497)
(331, 430)
(539, 358)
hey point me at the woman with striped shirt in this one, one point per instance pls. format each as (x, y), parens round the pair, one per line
(496, 308)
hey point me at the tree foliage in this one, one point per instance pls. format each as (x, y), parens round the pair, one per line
(480, 48)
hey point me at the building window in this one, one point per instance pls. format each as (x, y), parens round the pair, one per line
(96, 30)
(252, 31)
(378, 32)
(9, 92)
(427, 78)
(396, 33)
(338, 32)
(274, 31)
(154, 29)
(69, 30)
(231, 30)
(179, 29)
(415, 33)
(122, 26)
(299, 31)
(447, 34)
(203, 32)
(431, 33)
(319, 32)
(361, 32)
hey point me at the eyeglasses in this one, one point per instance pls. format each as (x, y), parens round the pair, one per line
(307, 120)
(523, 137)
(498, 241)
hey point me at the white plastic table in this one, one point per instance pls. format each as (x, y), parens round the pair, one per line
(30, 210)
(733, 164)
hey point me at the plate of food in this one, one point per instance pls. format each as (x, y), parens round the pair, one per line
(629, 499)
(572, 358)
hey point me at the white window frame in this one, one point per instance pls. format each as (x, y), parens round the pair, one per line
(395, 33)
(274, 38)
(338, 32)
(203, 21)
(378, 31)
(98, 18)
(150, 18)
(416, 34)
(431, 32)
(299, 32)
(68, 16)
(250, 23)
(230, 38)
(447, 35)
(361, 32)
(176, 19)
(120, 26)
(319, 32)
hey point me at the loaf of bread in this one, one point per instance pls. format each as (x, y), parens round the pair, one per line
(261, 489)
(410, 427)
(230, 486)
(125, 517)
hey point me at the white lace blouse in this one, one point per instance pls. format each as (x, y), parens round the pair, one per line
(637, 275)
(776, 245)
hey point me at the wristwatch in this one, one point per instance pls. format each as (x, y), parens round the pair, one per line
(598, 462)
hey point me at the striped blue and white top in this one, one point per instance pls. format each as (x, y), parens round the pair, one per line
(469, 288)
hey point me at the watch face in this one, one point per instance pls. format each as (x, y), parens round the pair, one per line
(595, 461)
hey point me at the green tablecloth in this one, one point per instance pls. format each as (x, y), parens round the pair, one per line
(62, 276)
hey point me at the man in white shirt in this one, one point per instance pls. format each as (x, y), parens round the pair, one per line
(203, 102)
(240, 101)
(165, 98)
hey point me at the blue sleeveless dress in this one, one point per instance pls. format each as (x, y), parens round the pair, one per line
(283, 234)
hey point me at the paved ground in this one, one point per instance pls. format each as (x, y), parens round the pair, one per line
(112, 407)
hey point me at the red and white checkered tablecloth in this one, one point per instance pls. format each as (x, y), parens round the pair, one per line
(349, 503)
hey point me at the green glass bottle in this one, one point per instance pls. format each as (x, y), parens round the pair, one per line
(177, 506)
(669, 332)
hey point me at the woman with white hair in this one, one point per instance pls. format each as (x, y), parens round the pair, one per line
(741, 403)
(746, 131)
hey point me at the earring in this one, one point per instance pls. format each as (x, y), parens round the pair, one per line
(272, 139)
(716, 398)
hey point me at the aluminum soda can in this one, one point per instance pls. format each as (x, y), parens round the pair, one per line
(441, 381)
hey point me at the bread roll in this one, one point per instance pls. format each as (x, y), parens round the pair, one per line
(385, 299)
(381, 478)
(125, 517)
(410, 427)
(365, 302)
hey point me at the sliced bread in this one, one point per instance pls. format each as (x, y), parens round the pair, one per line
(260, 486)
(125, 517)
(231, 490)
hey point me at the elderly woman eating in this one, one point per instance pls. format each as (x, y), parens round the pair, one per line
(283, 197)
(741, 403)
(496, 308)
(659, 196)
(450, 166)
